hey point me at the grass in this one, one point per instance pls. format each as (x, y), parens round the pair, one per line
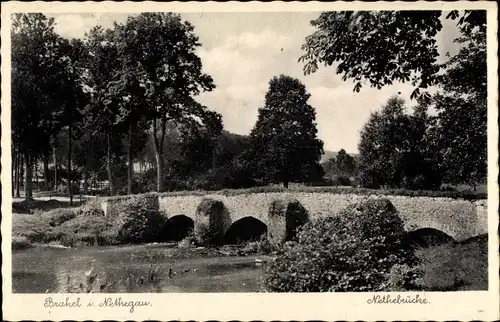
(66, 226)
(455, 267)
(31, 206)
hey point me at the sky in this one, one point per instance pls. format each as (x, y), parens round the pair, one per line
(243, 51)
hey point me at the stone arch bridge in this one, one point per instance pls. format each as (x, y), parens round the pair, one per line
(243, 216)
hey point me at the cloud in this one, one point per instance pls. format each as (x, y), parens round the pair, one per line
(76, 25)
(242, 66)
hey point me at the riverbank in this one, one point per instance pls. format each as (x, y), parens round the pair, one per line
(449, 267)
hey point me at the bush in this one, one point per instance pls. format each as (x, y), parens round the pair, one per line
(264, 246)
(371, 178)
(63, 188)
(56, 217)
(22, 207)
(212, 220)
(123, 187)
(188, 241)
(92, 208)
(203, 235)
(87, 230)
(404, 278)
(341, 180)
(138, 222)
(352, 251)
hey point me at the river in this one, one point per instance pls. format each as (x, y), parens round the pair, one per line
(133, 269)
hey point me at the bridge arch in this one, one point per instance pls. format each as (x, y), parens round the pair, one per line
(177, 228)
(426, 237)
(245, 229)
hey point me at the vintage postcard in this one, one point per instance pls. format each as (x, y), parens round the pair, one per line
(249, 161)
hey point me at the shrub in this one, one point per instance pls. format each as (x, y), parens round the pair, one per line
(137, 221)
(56, 217)
(371, 178)
(123, 190)
(22, 207)
(212, 220)
(188, 241)
(264, 246)
(341, 180)
(88, 230)
(203, 235)
(92, 208)
(352, 251)
(404, 278)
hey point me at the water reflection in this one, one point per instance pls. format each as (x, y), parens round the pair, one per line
(131, 269)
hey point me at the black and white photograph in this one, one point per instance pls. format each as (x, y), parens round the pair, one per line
(326, 151)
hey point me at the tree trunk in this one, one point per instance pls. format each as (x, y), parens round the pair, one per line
(86, 166)
(22, 169)
(14, 160)
(285, 183)
(85, 180)
(159, 172)
(14, 170)
(28, 188)
(159, 153)
(46, 168)
(18, 166)
(109, 165)
(70, 186)
(36, 175)
(129, 160)
(54, 151)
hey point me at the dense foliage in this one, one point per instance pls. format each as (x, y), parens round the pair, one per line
(283, 143)
(354, 250)
(385, 47)
(395, 150)
(340, 168)
(138, 222)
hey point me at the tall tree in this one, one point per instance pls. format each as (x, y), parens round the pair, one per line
(164, 50)
(198, 142)
(283, 143)
(71, 95)
(462, 105)
(129, 95)
(36, 59)
(393, 150)
(101, 63)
